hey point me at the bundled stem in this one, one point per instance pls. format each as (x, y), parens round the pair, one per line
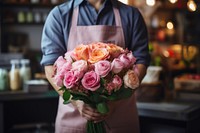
(95, 127)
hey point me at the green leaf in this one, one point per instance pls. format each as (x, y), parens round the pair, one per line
(62, 88)
(96, 98)
(102, 81)
(100, 90)
(66, 95)
(113, 97)
(66, 102)
(120, 94)
(125, 93)
(102, 107)
(82, 98)
(79, 93)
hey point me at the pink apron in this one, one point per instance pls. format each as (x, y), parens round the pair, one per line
(125, 118)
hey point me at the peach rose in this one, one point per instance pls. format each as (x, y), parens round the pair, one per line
(114, 47)
(131, 80)
(114, 50)
(97, 45)
(80, 52)
(98, 54)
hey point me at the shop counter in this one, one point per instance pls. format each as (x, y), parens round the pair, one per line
(173, 117)
(21, 111)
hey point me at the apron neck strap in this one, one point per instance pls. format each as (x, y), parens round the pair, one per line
(116, 14)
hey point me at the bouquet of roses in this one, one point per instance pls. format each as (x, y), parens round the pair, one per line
(96, 73)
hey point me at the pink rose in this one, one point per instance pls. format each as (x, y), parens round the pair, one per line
(114, 85)
(59, 63)
(66, 67)
(131, 58)
(78, 74)
(103, 67)
(91, 81)
(70, 79)
(68, 57)
(80, 65)
(117, 65)
(58, 80)
(131, 79)
(135, 69)
(117, 81)
(125, 59)
(110, 87)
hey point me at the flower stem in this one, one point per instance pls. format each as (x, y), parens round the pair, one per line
(95, 127)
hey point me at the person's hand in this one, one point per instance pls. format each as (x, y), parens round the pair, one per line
(92, 114)
(88, 112)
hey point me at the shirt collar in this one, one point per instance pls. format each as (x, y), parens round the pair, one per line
(78, 2)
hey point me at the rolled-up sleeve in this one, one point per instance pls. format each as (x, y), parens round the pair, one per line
(139, 40)
(52, 42)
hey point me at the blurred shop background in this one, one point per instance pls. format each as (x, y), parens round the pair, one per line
(169, 96)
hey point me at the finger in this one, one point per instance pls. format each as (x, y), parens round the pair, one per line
(89, 108)
(100, 119)
(94, 119)
(91, 113)
(89, 117)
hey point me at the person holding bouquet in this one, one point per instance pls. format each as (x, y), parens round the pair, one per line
(83, 22)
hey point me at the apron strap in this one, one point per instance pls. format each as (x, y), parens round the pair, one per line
(116, 14)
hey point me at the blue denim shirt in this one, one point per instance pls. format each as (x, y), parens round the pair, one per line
(57, 27)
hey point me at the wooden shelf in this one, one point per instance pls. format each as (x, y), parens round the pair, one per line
(22, 24)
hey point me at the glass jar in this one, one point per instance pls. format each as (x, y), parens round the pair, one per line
(21, 17)
(54, 1)
(29, 17)
(15, 80)
(25, 70)
(3, 79)
(35, 1)
(37, 17)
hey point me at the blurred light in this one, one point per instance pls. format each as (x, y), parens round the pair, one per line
(150, 2)
(162, 23)
(191, 5)
(173, 1)
(166, 53)
(170, 25)
(124, 1)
